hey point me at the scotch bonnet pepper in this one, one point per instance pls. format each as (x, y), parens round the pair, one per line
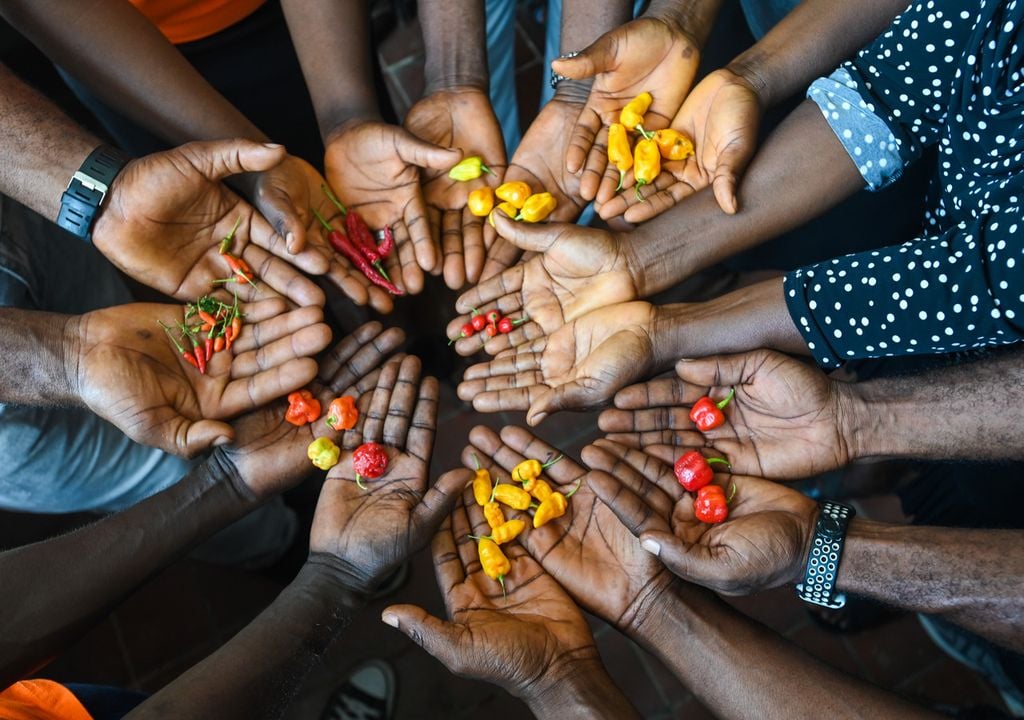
(537, 207)
(672, 144)
(342, 413)
(646, 165)
(324, 453)
(303, 408)
(632, 116)
(468, 169)
(706, 414)
(693, 470)
(481, 202)
(514, 192)
(711, 505)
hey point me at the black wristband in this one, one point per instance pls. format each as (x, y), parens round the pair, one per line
(819, 585)
(87, 189)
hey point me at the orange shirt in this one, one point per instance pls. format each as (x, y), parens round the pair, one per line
(183, 21)
(40, 700)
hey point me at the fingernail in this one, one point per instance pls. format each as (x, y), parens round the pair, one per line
(290, 241)
(221, 441)
(272, 146)
(651, 546)
(389, 619)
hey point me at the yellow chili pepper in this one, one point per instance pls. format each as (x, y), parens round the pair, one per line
(515, 497)
(537, 207)
(515, 192)
(619, 152)
(496, 566)
(646, 164)
(507, 208)
(481, 201)
(529, 469)
(553, 507)
(495, 517)
(632, 116)
(482, 487)
(539, 488)
(324, 453)
(672, 144)
(508, 531)
(469, 169)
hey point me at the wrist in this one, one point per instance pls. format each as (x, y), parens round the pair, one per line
(573, 91)
(325, 576)
(70, 360)
(748, 70)
(341, 121)
(691, 20)
(578, 688)
(868, 420)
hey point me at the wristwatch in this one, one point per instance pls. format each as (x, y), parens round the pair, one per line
(555, 77)
(87, 189)
(819, 585)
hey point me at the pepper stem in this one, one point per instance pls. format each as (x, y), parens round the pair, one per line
(549, 463)
(359, 482)
(476, 461)
(168, 331)
(323, 222)
(717, 460)
(380, 268)
(501, 581)
(579, 484)
(636, 190)
(728, 397)
(622, 177)
(334, 199)
(732, 493)
(646, 134)
(486, 169)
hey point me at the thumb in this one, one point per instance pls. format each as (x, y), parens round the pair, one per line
(731, 163)
(414, 151)
(689, 562)
(217, 159)
(712, 371)
(597, 58)
(280, 210)
(572, 395)
(438, 637)
(535, 237)
(199, 436)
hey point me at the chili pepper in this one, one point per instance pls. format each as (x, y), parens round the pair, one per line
(342, 413)
(469, 169)
(342, 244)
(646, 165)
(225, 244)
(711, 505)
(507, 324)
(478, 322)
(493, 317)
(186, 354)
(198, 351)
(303, 408)
(492, 511)
(507, 208)
(673, 145)
(551, 508)
(491, 330)
(619, 152)
(507, 531)
(324, 453)
(514, 192)
(387, 244)
(538, 488)
(208, 348)
(694, 471)
(530, 469)
(207, 317)
(493, 561)
(481, 201)
(482, 485)
(515, 497)
(537, 207)
(239, 266)
(467, 330)
(370, 460)
(358, 232)
(231, 333)
(218, 343)
(707, 415)
(632, 116)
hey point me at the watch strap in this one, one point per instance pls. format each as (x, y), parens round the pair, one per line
(87, 189)
(819, 584)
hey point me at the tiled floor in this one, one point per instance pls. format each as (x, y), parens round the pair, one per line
(191, 608)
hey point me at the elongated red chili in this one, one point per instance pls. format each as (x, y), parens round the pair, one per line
(200, 355)
(342, 244)
(388, 243)
(186, 354)
(208, 347)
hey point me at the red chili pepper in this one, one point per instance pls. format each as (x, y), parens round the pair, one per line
(507, 324)
(388, 243)
(491, 330)
(467, 331)
(208, 347)
(358, 232)
(479, 322)
(369, 460)
(303, 408)
(218, 343)
(711, 505)
(707, 415)
(186, 354)
(493, 317)
(342, 244)
(200, 355)
(207, 318)
(694, 471)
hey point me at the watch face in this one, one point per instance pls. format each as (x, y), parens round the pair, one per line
(830, 528)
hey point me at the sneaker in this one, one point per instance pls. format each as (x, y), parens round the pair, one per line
(368, 693)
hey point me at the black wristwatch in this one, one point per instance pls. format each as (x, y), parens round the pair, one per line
(819, 585)
(88, 187)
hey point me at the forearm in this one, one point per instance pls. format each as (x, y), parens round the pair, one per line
(42, 147)
(586, 692)
(801, 171)
(455, 42)
(257, 671)
(56, 589)
(37, 366)
(972, 577)
(111, 47)
(739, 669)
(332, 40)
(693, 17)
(811, 41)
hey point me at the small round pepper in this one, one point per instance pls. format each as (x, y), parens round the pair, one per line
(706, 414)
(646, 164)
(553, 507)
(693, 470)
(303, 408)
(370, 460)
(632, 116)
(515, 497)
(324, 453)
(507, 208)
(537, 207)
(468, 169)
(342, 413)
(619, 152)
(514, 192)
(481, 201)
(711, 505)
(672, 144)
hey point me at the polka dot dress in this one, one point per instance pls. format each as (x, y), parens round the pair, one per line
(945, 73)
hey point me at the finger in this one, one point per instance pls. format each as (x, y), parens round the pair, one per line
(692, 562)
(461, 530)
(732, 161)
(581, 141)
(501, 255)
(251, 392)
(473, 245)
(377, 410)
(402, 403)
(536, 237)
(302, 343)
(358, 354)
(528, 445)
(507, 365)
(657, 201)
(719, 371)
(420, 439)
(418, 224)
(288, 218)
(448, 566)
(611, 183)
(438, 502)
(523, 336)
(645, 474)
(451, 249)
(508, 393)
(596, 164)
(595, 58)
(661, 418)
(415, 151)
(504, 285)
(663, 392)
(438, 637)
(262, 328)
(434, 216)
(631, 510)
(573, 395)
(217, 159)
(411, 275)
(282, 277)
(195, 437)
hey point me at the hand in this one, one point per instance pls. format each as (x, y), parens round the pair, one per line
(784, 423)
(762, 544)
(287, 194)
(370, 531)
(591, 553)
(374, 167)
(128, 372)
(528, 642)
(579, 367)
(166, 214)
(721, 116)
(462, 118)
(539, 162)
(645, 55)
(576, 269)
(269, 453)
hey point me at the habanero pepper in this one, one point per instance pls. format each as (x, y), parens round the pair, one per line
(481, 201)
(303, 408)
(529, 469)
(507, 531)
(515, 193)
(537, 207)
(538, 488)
(706, 414)
(369, 460)
(693, 470)
(494, 515)
(493, 561)
(324, 453)
(711, 505)
(551, 508)
(646, 165)
(342, 413)
(673, 145)
(468, 169)
(507, 208)
(619, 152)
(482, 485)
(515, 497)
(632, 115)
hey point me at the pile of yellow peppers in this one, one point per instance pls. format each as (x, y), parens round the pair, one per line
(550, 504)
(518, 200)
(645, 158)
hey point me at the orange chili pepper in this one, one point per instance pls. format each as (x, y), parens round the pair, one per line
(515, 192)
(646, 164)
(619, 152)
(481, 201)
(507, 208)
(303, 408)
(672, 144)
(342, 413)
